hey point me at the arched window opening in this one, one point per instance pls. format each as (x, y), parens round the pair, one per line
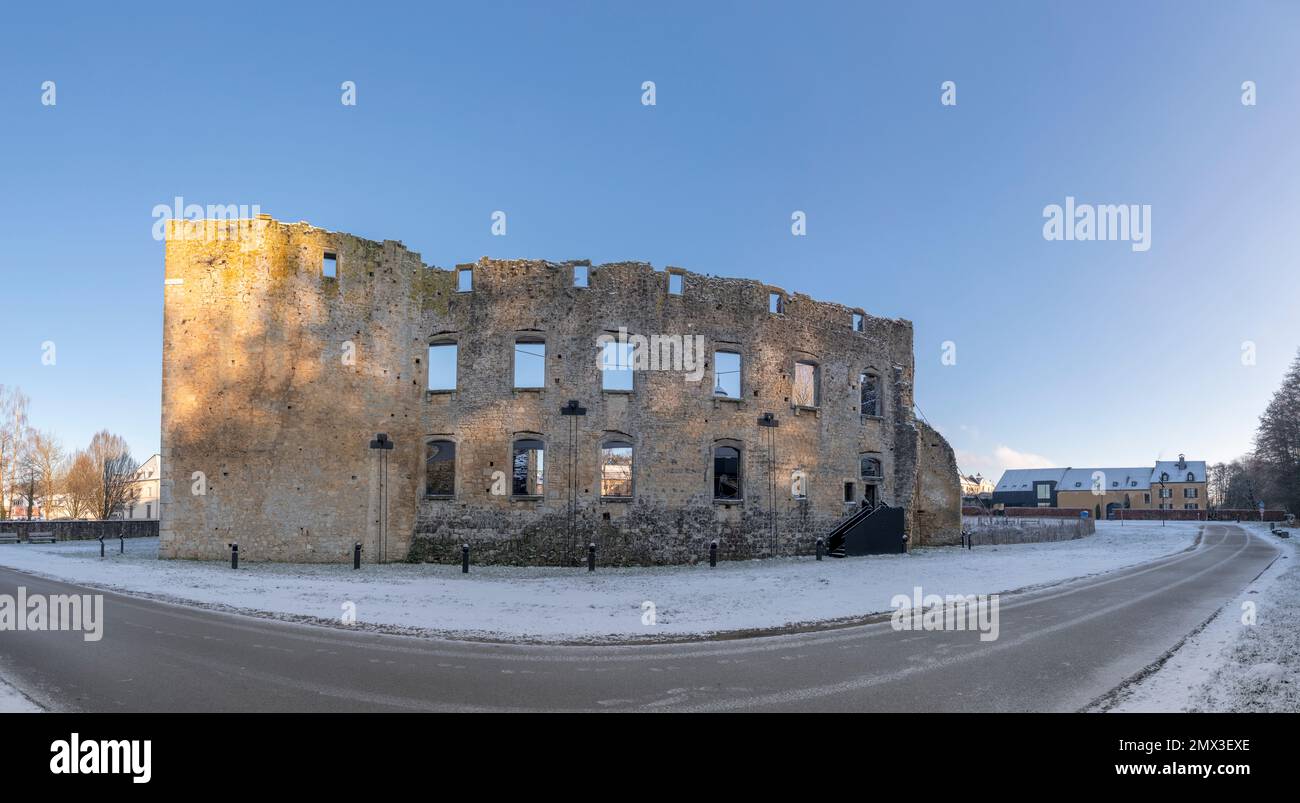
(726, 472)
(440, 468)
(870, 392)
(616, 470)
(528, 468)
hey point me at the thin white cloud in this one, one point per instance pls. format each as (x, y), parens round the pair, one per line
(1002, 458)
(1010, 458)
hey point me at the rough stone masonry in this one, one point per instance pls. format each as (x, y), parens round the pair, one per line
(278, 377)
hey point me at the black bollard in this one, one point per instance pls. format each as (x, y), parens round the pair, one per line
(821, 545)
(121, 545)
(591, 557)
(464, 558)
(904, 544)
(713, 554)
(101, 546)
(234, 556)
(356, 556)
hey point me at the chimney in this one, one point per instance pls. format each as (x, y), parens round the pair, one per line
(1182, 463)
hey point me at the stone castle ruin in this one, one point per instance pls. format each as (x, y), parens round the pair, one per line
(529, 408)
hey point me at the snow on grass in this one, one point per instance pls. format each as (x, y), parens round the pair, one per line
(552, 604)
(13, 701)
(1231, 666)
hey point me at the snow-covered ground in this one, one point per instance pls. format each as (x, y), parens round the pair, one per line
(551, 604)
(1230, 665)
(13, 702)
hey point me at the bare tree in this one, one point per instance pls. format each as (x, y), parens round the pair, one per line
(43, 457)
(13, 434)
(115, 468)
(22, 489)
(80, 483)
(119, 484)
(1216, 484)
(1235, 485)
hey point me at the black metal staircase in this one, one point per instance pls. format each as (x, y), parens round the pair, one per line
(869, 531)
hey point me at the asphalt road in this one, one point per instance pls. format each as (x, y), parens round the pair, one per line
(1058, 650)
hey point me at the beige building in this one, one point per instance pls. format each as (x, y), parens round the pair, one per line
(976, 486)
(1168, 485)
(143, 502)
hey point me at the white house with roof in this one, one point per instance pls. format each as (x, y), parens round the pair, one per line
(144, 504)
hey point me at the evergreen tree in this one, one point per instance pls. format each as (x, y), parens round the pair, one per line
(1277, 443)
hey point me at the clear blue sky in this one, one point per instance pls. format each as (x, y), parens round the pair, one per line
(1077, 352)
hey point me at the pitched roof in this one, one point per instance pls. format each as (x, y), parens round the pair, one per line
(1176, 474)
(1112, 479)
(1132, 478)
(1023, 479)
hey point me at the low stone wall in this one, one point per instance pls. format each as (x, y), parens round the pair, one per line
(1044, 512)
(1134, 514)
(646, 534)
(1029, 512)
(1233, 514)
(78, 530)
(1131, 514)
(991, 530)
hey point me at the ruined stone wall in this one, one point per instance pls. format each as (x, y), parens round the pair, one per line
(937, 511)
(259, 398)
(672, 422)
(257, 395)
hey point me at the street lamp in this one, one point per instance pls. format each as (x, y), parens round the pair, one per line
(573, 409)
(384, 445)
(770, 422)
